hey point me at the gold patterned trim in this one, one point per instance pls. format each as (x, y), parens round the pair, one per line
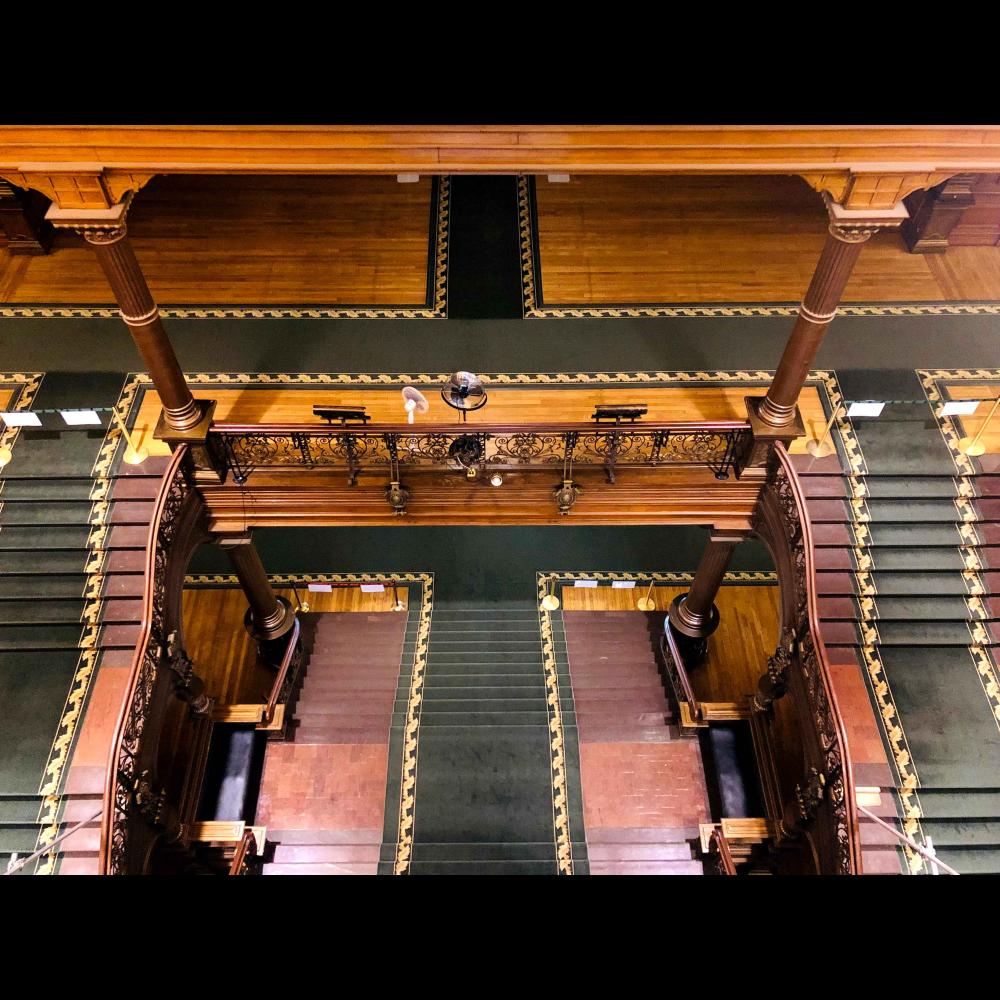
(557, 736)
(932, 381)
(435, 308)
(27, 384)
(72, 713)
(681, 576)
(411, 728)
(293, 379)
(534, 308)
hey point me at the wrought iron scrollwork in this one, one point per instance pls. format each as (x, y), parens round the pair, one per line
(354, 449)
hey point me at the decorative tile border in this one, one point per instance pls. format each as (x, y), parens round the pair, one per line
(26, 385)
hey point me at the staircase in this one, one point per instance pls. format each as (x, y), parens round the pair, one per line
(899, 594)
(345, 708)
(484, 781)
(71, 555)
(642, 814)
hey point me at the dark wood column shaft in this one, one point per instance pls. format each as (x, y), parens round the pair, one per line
(694, 613)
(139, 311)
(840, 253)
(265, 608)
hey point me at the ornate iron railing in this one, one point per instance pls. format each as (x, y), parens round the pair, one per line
(389, 447)
(824, 806)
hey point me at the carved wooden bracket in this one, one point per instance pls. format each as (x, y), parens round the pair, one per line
(79, 185)
(872, 191)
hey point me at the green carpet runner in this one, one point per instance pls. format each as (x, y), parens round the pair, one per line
(483, 799)
(897, 588)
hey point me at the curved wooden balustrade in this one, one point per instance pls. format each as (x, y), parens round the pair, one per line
(136, 810)
(824, 811)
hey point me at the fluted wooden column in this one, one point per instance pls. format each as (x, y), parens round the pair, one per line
(269, 617)
(849, 230)
(105, 231)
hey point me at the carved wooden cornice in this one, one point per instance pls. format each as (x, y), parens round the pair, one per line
(862, 167)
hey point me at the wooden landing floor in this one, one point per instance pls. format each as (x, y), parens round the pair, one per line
(624, 240)
(257, 240)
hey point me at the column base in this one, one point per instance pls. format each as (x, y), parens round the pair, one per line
(765, 435)
(195, 434)
(269, 631)
(692, 626)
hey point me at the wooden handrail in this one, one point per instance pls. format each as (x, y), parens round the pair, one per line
(673, 655)
(279, 680)
(247, 847)
(726, 865)
(589, 427)
(813, 619)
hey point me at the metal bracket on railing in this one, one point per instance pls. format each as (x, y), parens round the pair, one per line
(241, 473)
(396, 494)
(351, 449)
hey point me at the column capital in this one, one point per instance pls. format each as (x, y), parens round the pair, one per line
(95, 225)
(853, 225)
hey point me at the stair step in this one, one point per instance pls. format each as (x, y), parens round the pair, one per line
(42, 488)
(123, 585)
(33, 563)
(340, 868)
(954, 803)
(43, 512)
(882, 535)
(41, 612)
(326, 853)
(921, 608)
(54, 587)
(639, 852)
(41, 538)
(903, 583)
(39, 637)
(646, 868)
(131, 512)
(965, 832)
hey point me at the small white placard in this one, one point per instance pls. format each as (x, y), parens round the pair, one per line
(77, 418)
(372, 588)
(584, 583)
(320, 588)
(622, 584)
(21, 418)
(960, 407)
(870, 409)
